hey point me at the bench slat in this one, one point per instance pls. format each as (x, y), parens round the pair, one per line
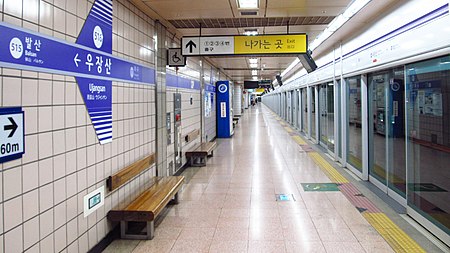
(151, 202)
(202, 149)
(165, 190)
(124, 175)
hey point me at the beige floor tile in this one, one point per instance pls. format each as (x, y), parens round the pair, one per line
(343, 247)
(300, 234)
(191, 246)
(338, 235)
(231, 234)
(171, 233)
(196, 233)
(233, 222)
(154, 246)
(121, 246)
(219, 246)
(235, 213)
(266, 233)
(201, 222)
(266, 246)
(304, 247)
(376, 247)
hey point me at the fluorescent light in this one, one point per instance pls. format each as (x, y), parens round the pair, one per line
(255, 78)
(336, 23)
(248, 4)
(254, 72)
(251, 33)
(253, 65)
(253, 60)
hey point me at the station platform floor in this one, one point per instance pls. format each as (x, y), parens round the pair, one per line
(231, 206)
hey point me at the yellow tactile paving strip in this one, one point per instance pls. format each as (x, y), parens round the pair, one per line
(331, 172)
(299, 140)
(288, 129)
(399, 240)
(395, 236)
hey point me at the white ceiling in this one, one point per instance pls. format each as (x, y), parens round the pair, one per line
(238, 67)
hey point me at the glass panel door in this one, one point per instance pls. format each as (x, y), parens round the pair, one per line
(330, 116)
(323, 124)
(313, 112)
(387, 139)
(305, 110)
(428, 132)
(354, 124)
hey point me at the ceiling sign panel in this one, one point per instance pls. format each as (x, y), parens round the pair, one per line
(245, 45)
(271, 44)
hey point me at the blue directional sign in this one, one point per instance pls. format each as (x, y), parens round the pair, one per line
(12, 141)
(36, 52)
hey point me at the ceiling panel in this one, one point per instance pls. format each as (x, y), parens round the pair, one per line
(222, 17)
(249, 22)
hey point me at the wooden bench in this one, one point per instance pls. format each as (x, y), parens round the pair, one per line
(192, 135)
(147, 206)
(198, 155)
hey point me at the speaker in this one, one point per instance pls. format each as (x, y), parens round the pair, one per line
(278, 77)
(307, 61)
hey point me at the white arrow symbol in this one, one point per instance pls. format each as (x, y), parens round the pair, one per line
(76, 60)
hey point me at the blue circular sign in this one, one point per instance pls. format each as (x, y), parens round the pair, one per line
(222, 88)
(395, 86)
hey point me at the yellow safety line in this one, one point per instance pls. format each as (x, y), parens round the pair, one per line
(332, 173)
(288, 129)
(395, 236)
(299, 140)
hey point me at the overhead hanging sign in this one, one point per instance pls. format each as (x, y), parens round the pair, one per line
(245, 45)
(12, 141)
(175, 58)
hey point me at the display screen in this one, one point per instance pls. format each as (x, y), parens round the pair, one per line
(94, 200)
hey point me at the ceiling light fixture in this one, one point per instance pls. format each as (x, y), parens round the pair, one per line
(251, 33)
(253, 65)
(253, 60)
(254, 72)
(248, 4)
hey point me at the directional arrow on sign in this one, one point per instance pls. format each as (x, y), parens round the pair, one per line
(76, 60)
(12, 127)
(191, 46)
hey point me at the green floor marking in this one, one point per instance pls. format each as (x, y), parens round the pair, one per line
(320, 187)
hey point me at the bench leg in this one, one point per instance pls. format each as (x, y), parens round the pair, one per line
(123, 229)
(150, 230)
(148, 236)
(174, 201)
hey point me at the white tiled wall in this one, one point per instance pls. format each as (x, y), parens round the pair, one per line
(41, 208)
